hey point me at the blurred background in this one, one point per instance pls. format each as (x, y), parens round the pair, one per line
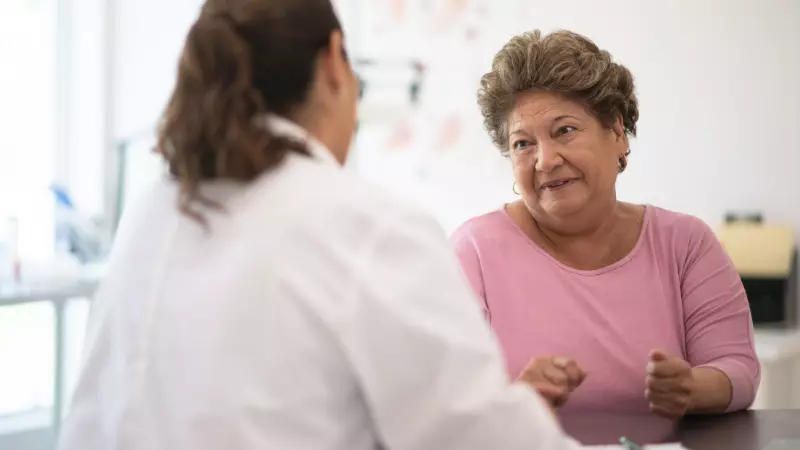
(82, 83)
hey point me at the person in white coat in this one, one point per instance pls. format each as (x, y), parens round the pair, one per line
(260, 297)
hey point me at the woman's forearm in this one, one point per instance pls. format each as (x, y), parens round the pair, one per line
(712, 391)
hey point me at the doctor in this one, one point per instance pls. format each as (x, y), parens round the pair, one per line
(263, 298)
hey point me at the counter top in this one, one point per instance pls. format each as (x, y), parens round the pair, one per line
(775, 343)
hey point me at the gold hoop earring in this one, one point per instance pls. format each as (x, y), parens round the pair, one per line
(514, 188)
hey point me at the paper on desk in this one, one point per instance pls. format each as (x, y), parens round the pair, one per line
(646, 447)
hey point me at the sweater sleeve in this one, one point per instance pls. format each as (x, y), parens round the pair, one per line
(719, 327)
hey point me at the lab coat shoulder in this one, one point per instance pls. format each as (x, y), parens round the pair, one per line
(332, 207)
(407, 323)
(344, 196)
(318, 225)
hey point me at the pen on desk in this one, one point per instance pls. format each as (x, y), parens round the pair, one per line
(629, 444)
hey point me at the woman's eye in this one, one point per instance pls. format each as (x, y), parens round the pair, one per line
(520, 145)
(566, 129)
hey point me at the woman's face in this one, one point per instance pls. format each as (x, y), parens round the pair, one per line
(564, 160)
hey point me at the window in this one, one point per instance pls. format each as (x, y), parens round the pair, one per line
(28, 108)
(26, 355)
(28, 129)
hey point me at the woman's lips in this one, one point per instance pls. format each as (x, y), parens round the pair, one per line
(557, 184)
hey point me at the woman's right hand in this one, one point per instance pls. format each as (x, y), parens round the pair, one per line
(553, 377)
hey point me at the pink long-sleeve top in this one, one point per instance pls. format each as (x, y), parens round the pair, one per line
(677, 290)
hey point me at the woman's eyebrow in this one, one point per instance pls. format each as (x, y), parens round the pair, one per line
(521, 130)
(564, 116)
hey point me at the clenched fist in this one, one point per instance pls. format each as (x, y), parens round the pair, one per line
(669, 385)
(553, 377)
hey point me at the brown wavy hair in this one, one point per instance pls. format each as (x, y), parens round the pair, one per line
(562, 62)
(241, 59)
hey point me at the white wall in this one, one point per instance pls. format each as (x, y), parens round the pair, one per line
(717, 82)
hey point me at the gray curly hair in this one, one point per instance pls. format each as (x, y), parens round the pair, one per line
(561, 62)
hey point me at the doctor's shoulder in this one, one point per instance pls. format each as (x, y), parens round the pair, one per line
(338, 204)
(372, 209)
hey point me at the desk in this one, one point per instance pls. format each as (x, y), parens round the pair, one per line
(746, 430)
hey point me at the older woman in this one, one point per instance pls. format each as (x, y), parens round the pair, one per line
(623, 307)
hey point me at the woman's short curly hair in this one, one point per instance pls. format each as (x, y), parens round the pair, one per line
(561, 62)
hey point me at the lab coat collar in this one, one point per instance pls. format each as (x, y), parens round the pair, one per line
(287, 128)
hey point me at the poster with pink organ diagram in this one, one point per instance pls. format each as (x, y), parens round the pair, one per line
(434, 151)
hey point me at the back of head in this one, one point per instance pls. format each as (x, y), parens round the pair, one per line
(242, 59)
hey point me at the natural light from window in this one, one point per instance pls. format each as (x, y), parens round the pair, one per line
(28, 109)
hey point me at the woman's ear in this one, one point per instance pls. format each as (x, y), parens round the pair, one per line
(619, 129)
(335, 64)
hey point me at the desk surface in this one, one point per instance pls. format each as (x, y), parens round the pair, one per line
(20, 294)
(747, 430)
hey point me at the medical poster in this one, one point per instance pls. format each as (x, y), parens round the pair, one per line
(431, 147)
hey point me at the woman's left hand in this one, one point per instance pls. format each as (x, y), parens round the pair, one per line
(670, 385)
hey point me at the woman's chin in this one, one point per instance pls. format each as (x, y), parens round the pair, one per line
(562, 208)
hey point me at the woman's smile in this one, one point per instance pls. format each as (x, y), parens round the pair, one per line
(558, 184)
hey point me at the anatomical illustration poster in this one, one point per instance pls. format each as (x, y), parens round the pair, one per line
(430, 147)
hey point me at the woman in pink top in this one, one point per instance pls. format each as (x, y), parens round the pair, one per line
(620, 306)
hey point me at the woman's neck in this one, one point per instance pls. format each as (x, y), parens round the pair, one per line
(322, 130)
(598, 228)
(595, 243)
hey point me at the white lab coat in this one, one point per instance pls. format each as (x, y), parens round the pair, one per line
(316, 313)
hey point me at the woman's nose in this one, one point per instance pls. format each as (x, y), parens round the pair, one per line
(547, 158)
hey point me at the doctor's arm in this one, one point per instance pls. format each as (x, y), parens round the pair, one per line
(428, 366)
